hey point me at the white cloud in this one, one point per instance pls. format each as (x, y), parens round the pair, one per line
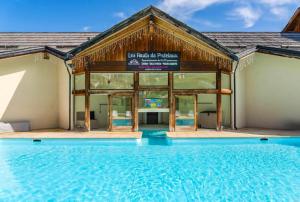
(249, 11)
(280, 12)
(86, 28)
(184, 9)
(121, 15)
(247, 14)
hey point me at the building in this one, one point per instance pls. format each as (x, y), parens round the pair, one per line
(151, 69)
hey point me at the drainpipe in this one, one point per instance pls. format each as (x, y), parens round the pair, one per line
(70, 90)
(234, 90)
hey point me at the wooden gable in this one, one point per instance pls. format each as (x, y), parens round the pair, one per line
(294, 23)
(151, 33)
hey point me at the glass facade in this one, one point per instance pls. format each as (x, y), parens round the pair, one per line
(79, 82)
(153, 99)
(225, 79)
(226, 111)
(121, 111)
(111, 80)
(185, 111)
(194, 80)
(153, 79)
(79, 115)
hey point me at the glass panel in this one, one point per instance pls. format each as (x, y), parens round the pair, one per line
(225, 79)
(207, 107)
(79, 82)
(184, 114)
(153, 99)
(99, 111)
(194, 81)
(121, 111)
(153, 79)
(111, 80)
(79, 111)
(226, 111)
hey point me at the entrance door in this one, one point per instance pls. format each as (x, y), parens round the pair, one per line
(152, 117)
(185, 112)
(121, 112)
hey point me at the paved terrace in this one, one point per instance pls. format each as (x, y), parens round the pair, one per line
(202, 133)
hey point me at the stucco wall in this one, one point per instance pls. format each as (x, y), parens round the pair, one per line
(271, 93)
(34, 89)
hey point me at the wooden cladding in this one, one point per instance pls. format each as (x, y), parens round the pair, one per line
(110, 55)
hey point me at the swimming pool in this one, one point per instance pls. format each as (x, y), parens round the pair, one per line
(160, 170)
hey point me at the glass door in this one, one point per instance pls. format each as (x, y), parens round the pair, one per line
(121, 112)
(185, 112)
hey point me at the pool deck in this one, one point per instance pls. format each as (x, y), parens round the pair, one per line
(57, 133)
(240, 133)
(202, 133)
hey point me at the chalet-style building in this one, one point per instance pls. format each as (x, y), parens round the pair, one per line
(150, 70)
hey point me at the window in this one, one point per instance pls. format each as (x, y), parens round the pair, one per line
(225, 79)
(194, 81)
(79, 82)
(153, 79)
(153, 99)
(111, 80)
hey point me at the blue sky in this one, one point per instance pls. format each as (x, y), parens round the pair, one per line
(99, 15)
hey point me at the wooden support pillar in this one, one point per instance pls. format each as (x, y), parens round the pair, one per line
(196, 111)
(219, 100)
(109, 113)
(87, 122)
(171, 103)
(136, 102)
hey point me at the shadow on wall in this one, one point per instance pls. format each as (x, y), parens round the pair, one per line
(293, 125)
(29, 92)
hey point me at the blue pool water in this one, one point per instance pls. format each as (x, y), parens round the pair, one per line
(184, 122)
(122, 122)
(161, 170)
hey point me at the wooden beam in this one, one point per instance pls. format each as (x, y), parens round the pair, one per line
(196, 111)
(136, 102)
(171, 103)
(109, 112)
(219, 101)
(87, 121)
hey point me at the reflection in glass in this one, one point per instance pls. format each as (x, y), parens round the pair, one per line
(79, 81)
(153, 79)
(153, 99)
(226, 111)
(225, 79)
(111, 80)
(121, 111)
(184, 114)
(79, 103)
(194, 81)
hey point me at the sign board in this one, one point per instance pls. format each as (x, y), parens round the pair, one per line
(153, 61)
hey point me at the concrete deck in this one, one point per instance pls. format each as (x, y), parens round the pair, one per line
(241, 133)
(56, 133)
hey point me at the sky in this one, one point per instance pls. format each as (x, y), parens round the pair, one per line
(99, 15)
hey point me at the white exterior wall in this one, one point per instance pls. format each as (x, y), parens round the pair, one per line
(269, 93)
(34, 89)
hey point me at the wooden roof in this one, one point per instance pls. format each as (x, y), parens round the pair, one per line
(241, 41)
(294, 23)
(63, 41)
(152, 11)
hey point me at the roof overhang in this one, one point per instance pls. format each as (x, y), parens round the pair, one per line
(270, 50)
(26, 51)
